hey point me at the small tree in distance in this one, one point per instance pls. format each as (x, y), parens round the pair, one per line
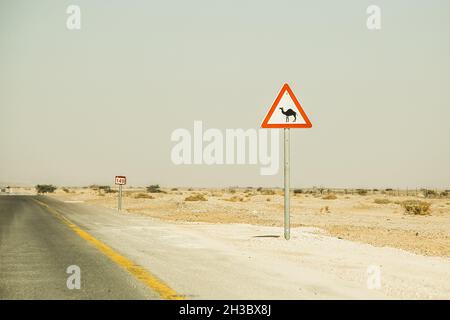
(154, 189)
(45, 188)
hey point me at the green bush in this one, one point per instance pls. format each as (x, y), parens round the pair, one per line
(361, 192)
(106, 189)
(45, 188)
(154, 189)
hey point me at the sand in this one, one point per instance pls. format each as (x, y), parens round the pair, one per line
(350, 216)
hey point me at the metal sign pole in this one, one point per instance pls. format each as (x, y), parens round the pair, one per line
(120, 198)
(287, 225)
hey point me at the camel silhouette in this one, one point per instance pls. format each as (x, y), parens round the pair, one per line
(289, 113)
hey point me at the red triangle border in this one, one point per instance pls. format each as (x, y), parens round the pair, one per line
(265, 123)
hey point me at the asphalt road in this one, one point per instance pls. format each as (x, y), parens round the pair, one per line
(36, 249)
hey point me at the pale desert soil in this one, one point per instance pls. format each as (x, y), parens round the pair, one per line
(351, 217)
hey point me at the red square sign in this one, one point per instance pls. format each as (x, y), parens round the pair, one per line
(121, 180)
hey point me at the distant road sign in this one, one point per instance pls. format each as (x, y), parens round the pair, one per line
(121, 180)
(286, 112)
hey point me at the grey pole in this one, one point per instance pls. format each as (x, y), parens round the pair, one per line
(287, 225)
(120, 198)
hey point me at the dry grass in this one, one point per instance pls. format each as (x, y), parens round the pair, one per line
(416, 207)
(325, 209)
(382, 201)
(330, 196)
(142, 195)
(267, 192)
(196, 197)
(234, 199)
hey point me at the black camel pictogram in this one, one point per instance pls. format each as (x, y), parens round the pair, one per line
(289, 113)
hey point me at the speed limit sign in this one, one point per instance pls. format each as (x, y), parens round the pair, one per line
(121, 180)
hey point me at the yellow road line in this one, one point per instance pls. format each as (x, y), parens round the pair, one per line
(140, 273)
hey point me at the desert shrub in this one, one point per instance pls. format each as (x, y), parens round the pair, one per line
(232, 191)
(268, 199)
(382, 201)
(45, 188)
(234, 199)
(320, 190)
(298, 191)
(268, 192)
(429, 193)
(361, 192)
(143, 195)
(330, 196)
(66, 190)
(174, 189)
(106, 189)
(325, 209)
(154, 188)
(416, 207)
(259, 189)
(196, 197)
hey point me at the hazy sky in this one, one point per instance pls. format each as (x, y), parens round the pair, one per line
(78, 107)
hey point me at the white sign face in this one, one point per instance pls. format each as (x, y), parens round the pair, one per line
(121, 180)
(286, 112)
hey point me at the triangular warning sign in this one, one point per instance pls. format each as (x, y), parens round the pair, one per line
(286, 112)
